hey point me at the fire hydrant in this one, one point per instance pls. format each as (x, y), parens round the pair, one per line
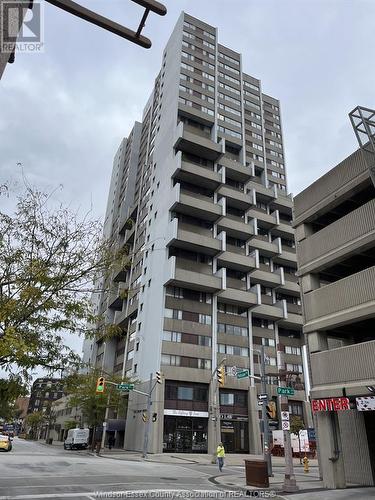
(305, 464)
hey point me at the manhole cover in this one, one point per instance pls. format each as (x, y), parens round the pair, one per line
(169, 478)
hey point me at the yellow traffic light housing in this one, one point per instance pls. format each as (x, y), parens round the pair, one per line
(159, 377)
(271, 410)
(100, 385)
(221, 376)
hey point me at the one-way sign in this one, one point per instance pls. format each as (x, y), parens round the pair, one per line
(262, 397)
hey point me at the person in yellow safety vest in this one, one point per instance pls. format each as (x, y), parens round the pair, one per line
(220, 453)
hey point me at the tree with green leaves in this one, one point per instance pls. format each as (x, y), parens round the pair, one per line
(81, 389)
(10, 390)
(34, 421)
(50, 256)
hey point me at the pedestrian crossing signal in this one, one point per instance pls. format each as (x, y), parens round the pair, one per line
(100, 385)
(221, 376)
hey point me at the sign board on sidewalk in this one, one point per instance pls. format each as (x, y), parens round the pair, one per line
(285, 391)
(285, 425)
(242, 374)
(284, 415)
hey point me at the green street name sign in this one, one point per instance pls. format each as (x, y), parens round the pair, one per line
(285, 391)
(243, 374)
(125, 387)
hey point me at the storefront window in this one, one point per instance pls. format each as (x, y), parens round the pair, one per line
(185, 435)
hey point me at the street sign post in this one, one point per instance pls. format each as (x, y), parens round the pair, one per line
(284, 415)
(242, 374)
(285, 391)
(125, 387)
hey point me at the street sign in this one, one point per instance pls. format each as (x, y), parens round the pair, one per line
(285, 425)
(284, 415)
(243, 374)
(262, 396)
(260, 403)
(125, 387)
(285, 391)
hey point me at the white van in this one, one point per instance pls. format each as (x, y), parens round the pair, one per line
(76, 438)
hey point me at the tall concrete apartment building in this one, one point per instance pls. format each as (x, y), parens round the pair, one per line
(199, 199)
(335, 232)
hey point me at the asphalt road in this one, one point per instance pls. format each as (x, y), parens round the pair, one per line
(36, 471)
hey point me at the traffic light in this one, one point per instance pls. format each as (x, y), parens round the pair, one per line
(100, 385)
(271, 410)
(154, 417)
(159, 377)
(221, 376)
(144, 417)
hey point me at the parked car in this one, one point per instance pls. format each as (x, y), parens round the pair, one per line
(76, 439)
(5, 442)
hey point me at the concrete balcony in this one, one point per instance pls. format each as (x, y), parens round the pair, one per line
(274, 312)
(344, 301)
(328, 191)
(192, 204)
(266, 220)
(282, 202)
(193, 141)
(286, 257)
(235, 198)
(236, 261)
(116, 297)
(236, 170)
(290, 285)
(266, 278)
(266, 247)
(351, 367)
(244, 298)
(121, 318)
(133, 306)
(284, 230)
(263, 191)
(235, 228)
(183, 273)
(182, 237)
(339, 240)
(196, 174)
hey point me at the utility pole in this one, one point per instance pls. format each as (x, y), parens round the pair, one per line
(266, 429)
(290, 484)
(148, 423)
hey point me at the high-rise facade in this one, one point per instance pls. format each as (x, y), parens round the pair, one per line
(335, 231)
(212, 272)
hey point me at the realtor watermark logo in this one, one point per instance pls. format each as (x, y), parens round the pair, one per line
(22, 26)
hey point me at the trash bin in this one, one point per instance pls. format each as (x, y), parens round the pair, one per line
(256, 473)
(50, 440)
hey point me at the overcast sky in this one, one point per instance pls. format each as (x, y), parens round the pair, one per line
(64, 112)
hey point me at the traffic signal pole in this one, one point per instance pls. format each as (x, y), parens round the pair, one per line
(266, 429)
(148, 423)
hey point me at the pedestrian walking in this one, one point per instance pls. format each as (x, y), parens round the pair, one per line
(220, 453)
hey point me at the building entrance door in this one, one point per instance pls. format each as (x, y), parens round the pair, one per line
(228, 441)
(183, 441)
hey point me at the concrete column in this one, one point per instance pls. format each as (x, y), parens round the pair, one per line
(317, 342)
(331, 456)
(255, 443)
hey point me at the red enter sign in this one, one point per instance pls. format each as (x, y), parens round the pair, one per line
(331, 404)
